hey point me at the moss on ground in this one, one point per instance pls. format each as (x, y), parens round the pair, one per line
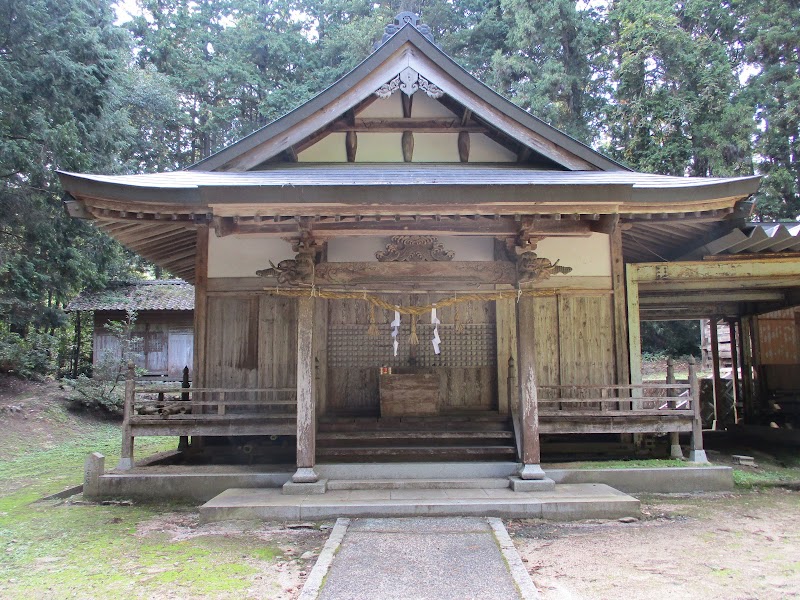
(59, 549)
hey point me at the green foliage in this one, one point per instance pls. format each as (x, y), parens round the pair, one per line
(677, 105)
(105, 389)
(28, 357)
(770, 36)
(671, 338)
(549, 62)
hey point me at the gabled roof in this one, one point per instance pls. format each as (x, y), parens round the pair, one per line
(138, 295)
(407, 48)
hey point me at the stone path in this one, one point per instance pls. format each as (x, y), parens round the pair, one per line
(453, 558)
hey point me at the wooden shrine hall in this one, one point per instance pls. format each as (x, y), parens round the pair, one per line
(410, 267)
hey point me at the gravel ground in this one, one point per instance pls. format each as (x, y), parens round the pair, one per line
(734, 546)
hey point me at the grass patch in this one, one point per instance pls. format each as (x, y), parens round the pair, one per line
(748, 479)
(644, 463)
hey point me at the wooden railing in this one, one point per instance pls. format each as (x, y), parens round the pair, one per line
(644, 408)
(170, 410)
(643, 399)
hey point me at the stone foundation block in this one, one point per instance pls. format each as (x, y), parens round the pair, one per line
(532, 485)
(290, 488)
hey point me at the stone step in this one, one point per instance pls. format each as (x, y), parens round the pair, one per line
(416, 452)
(412, 435)
(565, 502)
(419, 484)
(417, 470)
(459, 423)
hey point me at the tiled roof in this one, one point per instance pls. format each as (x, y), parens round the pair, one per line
(165, 294)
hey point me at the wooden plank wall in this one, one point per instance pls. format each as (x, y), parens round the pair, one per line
(574, 338)
(252, 341)
(166, 340)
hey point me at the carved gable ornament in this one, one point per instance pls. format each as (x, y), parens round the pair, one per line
(531, 268)
(414, 248)
(409, 81)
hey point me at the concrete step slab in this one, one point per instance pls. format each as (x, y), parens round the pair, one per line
(565, 502)
(418, 484)
(417, 470)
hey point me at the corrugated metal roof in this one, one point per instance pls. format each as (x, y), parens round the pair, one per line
(757, 237)
(379, 174)
(164, 294)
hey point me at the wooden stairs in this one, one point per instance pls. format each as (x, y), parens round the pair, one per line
(441, 438)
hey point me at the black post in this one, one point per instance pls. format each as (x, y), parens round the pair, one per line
(183, 441)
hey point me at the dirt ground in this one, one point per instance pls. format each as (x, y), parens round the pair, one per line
(744, 545)
(724, 546)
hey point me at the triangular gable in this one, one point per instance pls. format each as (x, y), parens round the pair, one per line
(409, 59)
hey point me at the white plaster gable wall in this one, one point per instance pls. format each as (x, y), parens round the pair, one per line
(363, 249)
(588, 256)
(385, 147)
(422, 106)
(243, 255)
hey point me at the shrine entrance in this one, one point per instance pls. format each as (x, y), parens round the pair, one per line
(366, 376)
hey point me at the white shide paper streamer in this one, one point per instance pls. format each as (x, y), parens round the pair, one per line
(436, 339)
(395, 331)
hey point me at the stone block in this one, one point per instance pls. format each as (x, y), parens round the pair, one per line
(740, 459)
(290, 488)
(532, 485)
(93, 468)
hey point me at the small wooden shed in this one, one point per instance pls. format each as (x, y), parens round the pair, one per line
(163, 328)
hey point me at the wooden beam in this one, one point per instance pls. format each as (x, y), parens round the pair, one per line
(407, 145)
(406, 101)
(351, 145)
(731, 269)
(418, 125)
(374, 225)
(463, 146)
(422, 273)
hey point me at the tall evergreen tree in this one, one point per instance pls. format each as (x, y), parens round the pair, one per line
(59, 104)
(677, 106)
(771, 36)
(549, 67)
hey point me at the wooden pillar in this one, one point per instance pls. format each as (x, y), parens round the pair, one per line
(634, 328)
(200, 307)
(200, 317)
(306, 385)
(621, 341)
(697, 454)
(719, 393)
(674, 436)
(126, 455)
(734, 368)
(748, 394)
(530, 453)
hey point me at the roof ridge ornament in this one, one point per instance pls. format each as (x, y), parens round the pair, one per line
(409, 81)
(401, 20)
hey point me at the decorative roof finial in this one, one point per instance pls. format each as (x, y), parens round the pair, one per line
(401, 20)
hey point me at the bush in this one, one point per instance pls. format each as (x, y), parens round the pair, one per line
(29, 357)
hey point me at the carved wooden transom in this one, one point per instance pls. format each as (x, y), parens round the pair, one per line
(414, 248)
